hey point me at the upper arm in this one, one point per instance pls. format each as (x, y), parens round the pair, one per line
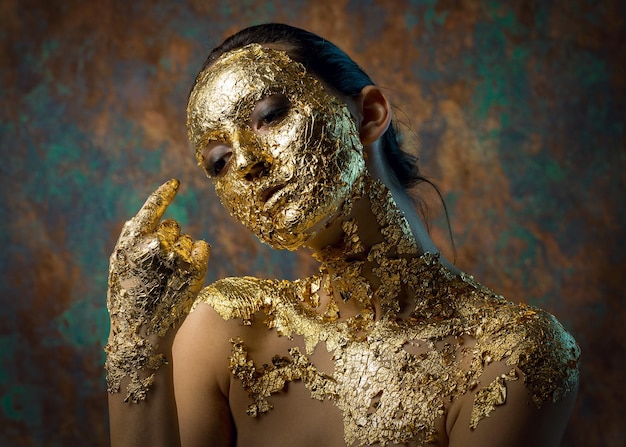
(516, 423)
(201, 379)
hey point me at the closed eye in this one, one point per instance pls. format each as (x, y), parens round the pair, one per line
(215, 159)
(269, 111)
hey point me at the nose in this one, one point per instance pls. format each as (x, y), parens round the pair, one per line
(251, 162)
(256, 170)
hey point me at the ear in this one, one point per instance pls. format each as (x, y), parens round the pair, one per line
(375, 112)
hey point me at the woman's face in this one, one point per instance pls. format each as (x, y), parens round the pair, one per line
(284, 154)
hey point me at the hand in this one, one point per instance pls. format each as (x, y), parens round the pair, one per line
(155, 274)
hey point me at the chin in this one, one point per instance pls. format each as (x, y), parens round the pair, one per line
(292, 236)
(289, 242)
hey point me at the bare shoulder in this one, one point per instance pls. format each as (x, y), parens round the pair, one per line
(524, 375)
(222, 312)
(201, 363)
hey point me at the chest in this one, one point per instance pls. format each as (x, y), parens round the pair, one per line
(386, 386)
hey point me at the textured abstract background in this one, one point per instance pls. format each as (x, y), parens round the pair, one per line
(516, 109)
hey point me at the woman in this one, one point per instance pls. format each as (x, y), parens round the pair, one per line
(388, 345)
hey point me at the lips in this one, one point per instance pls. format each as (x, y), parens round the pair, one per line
(270, 192)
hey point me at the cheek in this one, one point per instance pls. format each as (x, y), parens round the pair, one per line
(287, 139)
(231, 195)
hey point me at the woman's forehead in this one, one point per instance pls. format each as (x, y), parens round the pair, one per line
(229, 89)
(252, 69)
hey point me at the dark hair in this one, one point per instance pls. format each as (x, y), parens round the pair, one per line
(335, 69)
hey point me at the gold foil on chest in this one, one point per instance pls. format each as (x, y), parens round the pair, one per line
(392, 377)
(489, 397)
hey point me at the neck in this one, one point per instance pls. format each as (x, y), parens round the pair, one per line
(376, 219)
(372, 241)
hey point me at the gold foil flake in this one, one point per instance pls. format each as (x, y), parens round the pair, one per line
(352, 288)
(130, 355)
(310, 295)
(381, 386)
(311, 157)
(353, 243)
(394, 225)
(389, 285)
(245, 298)
(487, 398)
(270, 379)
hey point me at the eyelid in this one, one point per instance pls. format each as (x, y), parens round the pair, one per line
(215, 158)
(276, 107)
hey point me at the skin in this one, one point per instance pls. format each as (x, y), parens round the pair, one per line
(196, 402)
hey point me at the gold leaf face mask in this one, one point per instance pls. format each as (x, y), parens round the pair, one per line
(283, 153)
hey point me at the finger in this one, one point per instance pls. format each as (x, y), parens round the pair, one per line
(200, 255)
(182, 248)
(152, 211)
(185, 243)
(168, 233)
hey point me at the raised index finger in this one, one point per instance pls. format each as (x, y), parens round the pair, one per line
(150, 214)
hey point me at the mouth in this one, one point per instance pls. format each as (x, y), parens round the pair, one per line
(270, 192)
